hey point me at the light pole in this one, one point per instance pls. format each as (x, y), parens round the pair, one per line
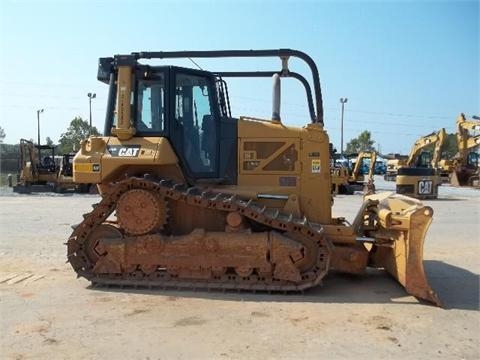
(90, 97)
(38, 125)
(343, 101)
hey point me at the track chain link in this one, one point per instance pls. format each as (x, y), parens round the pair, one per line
(270, 217)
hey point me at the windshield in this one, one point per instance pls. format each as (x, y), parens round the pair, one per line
(151, 105)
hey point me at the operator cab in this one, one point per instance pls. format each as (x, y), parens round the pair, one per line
(46, 156)
(189, 108)
(424, 160)
(473, 160)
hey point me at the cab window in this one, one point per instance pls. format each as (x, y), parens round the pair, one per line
(195, 123)
(150, 117)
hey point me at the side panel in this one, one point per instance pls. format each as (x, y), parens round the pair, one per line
(316, 198)
(283, 163)
(105, 159)
(268, 160)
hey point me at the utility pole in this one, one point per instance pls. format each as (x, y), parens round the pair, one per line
(90, 97)
(38, 125)
(343, 101)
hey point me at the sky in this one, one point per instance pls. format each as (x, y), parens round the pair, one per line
(408, 68)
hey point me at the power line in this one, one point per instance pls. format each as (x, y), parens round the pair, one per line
(32, 96)
(347, 110)
(350, 121)
(71, 85)
(51, 107)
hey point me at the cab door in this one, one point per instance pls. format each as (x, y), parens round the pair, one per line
(194, 125)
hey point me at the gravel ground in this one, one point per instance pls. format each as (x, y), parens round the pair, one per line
(52, 315)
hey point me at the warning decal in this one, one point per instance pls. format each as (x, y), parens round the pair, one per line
(316, 166)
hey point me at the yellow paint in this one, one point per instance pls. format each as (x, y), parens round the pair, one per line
(95, 151)
(124, 129)
(86, 168)
(311, 147)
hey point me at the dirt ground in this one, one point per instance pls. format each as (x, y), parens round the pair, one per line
(46, 313)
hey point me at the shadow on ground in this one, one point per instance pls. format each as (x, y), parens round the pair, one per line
(456, 287)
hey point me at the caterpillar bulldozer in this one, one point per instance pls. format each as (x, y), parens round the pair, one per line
(419, 176)
(465, 169)
(192, 197)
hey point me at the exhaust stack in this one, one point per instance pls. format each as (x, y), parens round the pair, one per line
(276, 98)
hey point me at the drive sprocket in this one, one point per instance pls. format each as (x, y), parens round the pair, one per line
(141, 211)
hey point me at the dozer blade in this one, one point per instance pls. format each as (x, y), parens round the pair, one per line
(399, 240)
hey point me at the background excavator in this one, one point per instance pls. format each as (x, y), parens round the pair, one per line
(347, 181)
(37, 167)
(195, 198)
(465, 167)
(419, 176)
(40, 172)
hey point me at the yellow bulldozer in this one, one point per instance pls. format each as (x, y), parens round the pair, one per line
(195, 198)
(419, 176)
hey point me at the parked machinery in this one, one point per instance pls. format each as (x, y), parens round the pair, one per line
(419, 176)
(66, 168)
(347, 181)
(360, 169)
(39, 171)
(392, 166)
(194, 198)
(446, 168)
(339, 178)
(465, 167)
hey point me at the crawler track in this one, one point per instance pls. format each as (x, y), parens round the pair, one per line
(307, 235)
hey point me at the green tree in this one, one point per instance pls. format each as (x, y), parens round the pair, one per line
(9, 157)
(363, 142)
(450, 147)
(2, 135)
(78, 130)
(49, 141)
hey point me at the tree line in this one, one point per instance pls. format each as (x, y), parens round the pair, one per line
(364, 142)
(78, 130)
